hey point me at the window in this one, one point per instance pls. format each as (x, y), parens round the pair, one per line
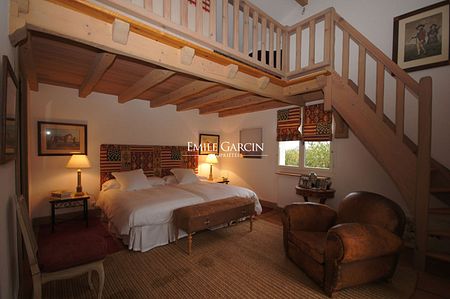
(304, 137)
(313, 154)
(289, 153)
(317, 154)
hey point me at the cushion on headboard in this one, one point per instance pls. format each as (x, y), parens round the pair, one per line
(155, 160)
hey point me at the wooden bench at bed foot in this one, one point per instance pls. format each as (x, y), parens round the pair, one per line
(202, 216)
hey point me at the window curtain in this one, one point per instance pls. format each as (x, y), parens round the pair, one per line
(288, 122)
(317, 123)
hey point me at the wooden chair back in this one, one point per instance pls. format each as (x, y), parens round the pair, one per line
(27, 233)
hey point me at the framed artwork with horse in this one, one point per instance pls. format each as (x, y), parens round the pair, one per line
(61, 139)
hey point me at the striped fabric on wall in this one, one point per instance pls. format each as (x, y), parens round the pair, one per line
(155, 160)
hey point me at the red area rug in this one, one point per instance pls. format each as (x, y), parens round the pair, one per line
(78, 226)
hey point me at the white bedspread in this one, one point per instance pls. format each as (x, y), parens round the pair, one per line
(214, 191)
(127, 209)
(143, 219)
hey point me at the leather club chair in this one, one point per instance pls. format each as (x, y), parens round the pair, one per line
(357, 244)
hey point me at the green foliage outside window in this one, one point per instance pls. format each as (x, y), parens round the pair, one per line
(291, 157)
(317, 155)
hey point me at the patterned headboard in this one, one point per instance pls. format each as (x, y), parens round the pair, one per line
(155, 160)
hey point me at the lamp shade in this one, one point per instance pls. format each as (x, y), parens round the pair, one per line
(211, 159)
(78, 162)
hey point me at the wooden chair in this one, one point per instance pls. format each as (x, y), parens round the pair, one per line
(75, 268)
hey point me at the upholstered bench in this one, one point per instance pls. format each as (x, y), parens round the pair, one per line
(202, 216)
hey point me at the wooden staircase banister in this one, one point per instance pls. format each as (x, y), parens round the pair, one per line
(377, 54)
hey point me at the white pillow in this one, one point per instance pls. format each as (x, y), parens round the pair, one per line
(156, 181)
(185, 175)
(132, 180)
(170, 180)
(110, 184)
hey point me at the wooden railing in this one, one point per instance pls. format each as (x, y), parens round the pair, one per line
(421, 91)
(244, 29)
(309, 28)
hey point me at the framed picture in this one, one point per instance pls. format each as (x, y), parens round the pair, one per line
(209, 144)
(8, 112)
(251, 140)
(61, 139)
(422, 38)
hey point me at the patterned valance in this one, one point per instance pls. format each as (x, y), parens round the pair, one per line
(288, 122)
(155, 160)
(316, 123)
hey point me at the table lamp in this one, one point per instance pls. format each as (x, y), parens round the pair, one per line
(79, 162)
(211, 159)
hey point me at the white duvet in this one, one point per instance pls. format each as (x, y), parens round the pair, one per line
(130, 209)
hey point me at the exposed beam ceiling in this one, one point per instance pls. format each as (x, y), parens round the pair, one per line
(150, 80)
(182, 93)
(223, 95)
(253, 108)
(102, 62)
(226, 105)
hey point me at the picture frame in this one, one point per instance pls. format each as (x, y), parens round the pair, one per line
(61, 139)
(422, 38)
(8, 112)
(209, 144)
(251, 137)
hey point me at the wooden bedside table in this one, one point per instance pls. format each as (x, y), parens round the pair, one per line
(322, 195)
(69, 202)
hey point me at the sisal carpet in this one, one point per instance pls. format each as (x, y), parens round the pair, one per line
(226, 263)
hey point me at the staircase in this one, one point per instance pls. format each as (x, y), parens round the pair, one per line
(409, 165)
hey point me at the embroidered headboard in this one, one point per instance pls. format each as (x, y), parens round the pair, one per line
(155, 160)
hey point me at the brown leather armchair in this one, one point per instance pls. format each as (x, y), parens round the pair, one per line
(357, 244)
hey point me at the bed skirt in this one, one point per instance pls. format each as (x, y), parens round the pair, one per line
(144, 238)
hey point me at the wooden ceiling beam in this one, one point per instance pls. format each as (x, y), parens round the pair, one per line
(150, 80)
(253, 108)
(234, 103)
(302, 99)
(28, 65)
(101, 64)
(212, 98)
(187, 91)
(302, 2)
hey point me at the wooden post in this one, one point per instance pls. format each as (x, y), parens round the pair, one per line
(264, 40)
(345, 56)
(278, 60)
(255, 35)
(380, 90)
(271, 30)
(298, 48)
(236, 10)
(400, 110)
(166, 9)
(184, 13)
(423, 171)
(362, 72)
(245, 30)
(312, 42)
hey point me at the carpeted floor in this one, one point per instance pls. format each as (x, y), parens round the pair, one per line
(226, 263)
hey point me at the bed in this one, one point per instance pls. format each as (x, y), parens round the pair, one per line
(143, 218)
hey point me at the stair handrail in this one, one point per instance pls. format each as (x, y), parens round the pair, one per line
(422, 90)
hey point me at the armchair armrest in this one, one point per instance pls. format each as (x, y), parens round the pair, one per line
(308, 217)
(354, 241)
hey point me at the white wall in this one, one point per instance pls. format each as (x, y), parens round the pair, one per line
(108, 122)
(8, 243)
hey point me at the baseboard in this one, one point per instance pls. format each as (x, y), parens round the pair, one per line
(270, 204)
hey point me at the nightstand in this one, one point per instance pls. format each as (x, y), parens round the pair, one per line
(69, 202)
(222, 181)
